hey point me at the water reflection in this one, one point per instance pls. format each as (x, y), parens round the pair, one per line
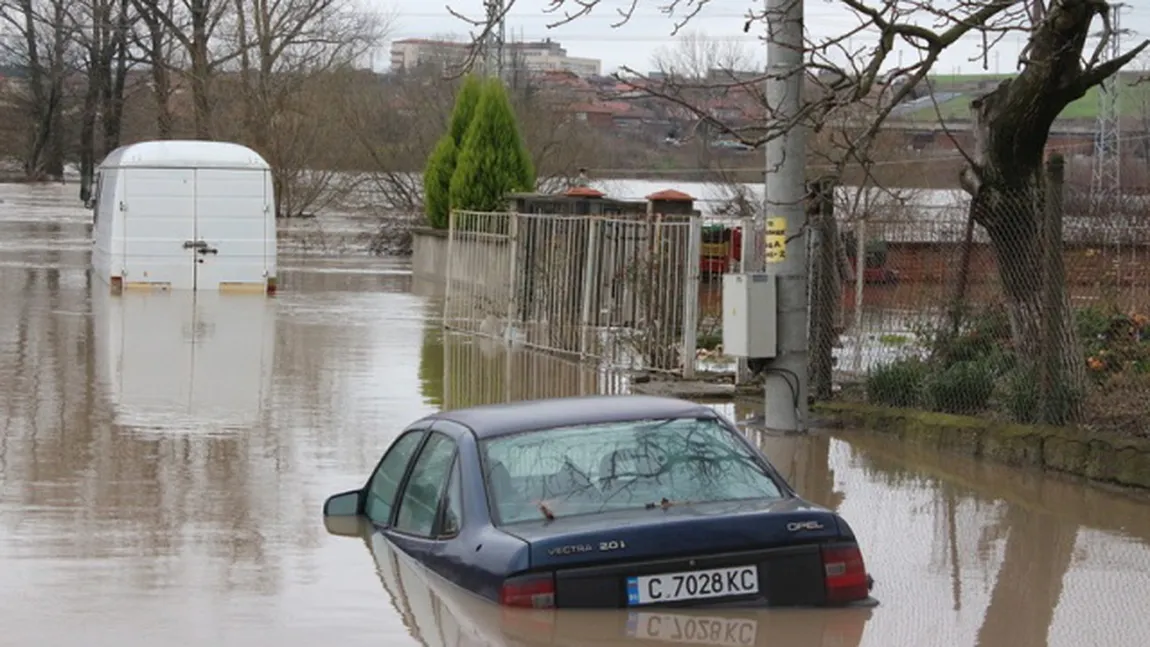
(139, 506)
(440, 614)
(185, 359)
(458, 371)
(1024, 559)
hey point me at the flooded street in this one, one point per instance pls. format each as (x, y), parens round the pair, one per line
(164, 459)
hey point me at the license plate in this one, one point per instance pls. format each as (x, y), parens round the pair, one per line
(668, 627)
(692, 585)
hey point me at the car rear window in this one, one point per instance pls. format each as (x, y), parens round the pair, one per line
(619, 466)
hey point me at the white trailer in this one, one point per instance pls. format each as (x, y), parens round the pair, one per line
(185, 215)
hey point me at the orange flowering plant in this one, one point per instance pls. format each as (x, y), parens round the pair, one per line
(1114, 341)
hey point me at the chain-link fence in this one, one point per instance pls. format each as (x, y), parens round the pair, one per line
(1030, 305)
(622, 291)
(1027, 304)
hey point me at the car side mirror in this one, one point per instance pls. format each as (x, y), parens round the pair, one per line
(345, 526)
(344, 504)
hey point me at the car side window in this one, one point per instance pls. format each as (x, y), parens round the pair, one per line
(385, 481)
(452, 505)
(419, 504)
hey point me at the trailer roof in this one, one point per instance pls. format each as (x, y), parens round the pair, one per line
(184, 154)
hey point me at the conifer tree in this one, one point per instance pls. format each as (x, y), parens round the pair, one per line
(441, 163)
(493, 160)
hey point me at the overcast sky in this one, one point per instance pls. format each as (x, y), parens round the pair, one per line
(636, 43)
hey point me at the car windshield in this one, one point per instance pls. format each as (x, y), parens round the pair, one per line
(619, 466)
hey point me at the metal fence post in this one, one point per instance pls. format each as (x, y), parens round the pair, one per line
(860, 282)
(449, 267)
(513, 275)
(590, 281)
(448, 389)
(750, 252)
(691, 296)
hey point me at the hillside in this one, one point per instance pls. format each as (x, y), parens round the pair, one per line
(955, 92)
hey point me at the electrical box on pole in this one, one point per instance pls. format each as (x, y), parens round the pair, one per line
(750, 315)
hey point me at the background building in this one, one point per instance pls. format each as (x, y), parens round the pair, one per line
(539, 56)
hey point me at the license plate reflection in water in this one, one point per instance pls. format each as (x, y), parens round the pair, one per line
(668, 627)
(692, 585)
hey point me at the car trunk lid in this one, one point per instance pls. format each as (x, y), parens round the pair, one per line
(672, 531)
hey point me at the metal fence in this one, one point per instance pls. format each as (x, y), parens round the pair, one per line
(622, 292)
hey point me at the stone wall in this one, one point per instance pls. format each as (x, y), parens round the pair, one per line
(483, 263)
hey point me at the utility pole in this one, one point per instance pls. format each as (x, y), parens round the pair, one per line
(495, 38)
(785, 233)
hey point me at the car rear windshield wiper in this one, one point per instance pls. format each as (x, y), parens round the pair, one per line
(545, 509)
(664, 504)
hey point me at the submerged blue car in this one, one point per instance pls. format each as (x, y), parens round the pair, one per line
(605, 502)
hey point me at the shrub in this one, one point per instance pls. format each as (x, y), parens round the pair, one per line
(897, 384)
(437, 182)
(444, 157)
(1021, 395)
(981, 335)
(1113, 341)
(962, 388)
(493, 160)
(708, 341)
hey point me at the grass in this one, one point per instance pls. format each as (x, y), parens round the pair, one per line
(1134, 100)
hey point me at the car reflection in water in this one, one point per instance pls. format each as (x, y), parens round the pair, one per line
(440, 614)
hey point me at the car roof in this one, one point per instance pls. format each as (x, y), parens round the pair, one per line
(494, 420)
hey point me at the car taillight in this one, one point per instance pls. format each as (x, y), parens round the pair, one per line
(846, 577)
(530, 591)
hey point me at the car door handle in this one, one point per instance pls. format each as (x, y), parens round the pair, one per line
(194, 244)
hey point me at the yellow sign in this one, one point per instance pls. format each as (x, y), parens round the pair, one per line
(776, 240)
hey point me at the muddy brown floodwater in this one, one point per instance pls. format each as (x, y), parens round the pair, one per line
(163, 461)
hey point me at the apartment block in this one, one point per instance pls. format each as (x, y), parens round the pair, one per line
(538, 56)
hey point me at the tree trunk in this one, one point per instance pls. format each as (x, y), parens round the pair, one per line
(826, 289)
(201, 69)
(93, 93)
(115, 77)
(37, 139)
(159, 63)
(88, 129)
(1013, 214)
(1038, 553)
(1006, 179)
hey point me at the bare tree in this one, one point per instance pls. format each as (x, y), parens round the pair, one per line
(284, 46)
(559, 144)
(197, 38)
(157, 45)
(1004, 174)
(394, 124)
(102, 31)
(705, 81)
(37, 39)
